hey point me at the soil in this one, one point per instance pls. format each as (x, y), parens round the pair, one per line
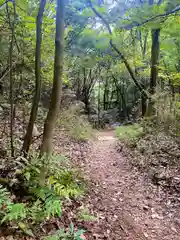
(127, 204)
(124, 200)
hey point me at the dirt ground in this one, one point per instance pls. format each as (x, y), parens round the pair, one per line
(127, 204)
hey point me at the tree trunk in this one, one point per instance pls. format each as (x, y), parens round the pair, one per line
(155, 49)
(99, 100)
(11, 97)
(46, 147)
(143, 105)
(106, 95)
(34, 109)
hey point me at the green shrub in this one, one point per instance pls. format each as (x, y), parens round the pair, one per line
(30, 213)
(166, 117)
(71, 234)
(67, 183)
(61, 182)
(129, 132)
(75, 125)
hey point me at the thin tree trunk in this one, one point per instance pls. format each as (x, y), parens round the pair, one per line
(12, 26)
(155, 49)
(106, 95)
(99, 100)
(36, 99)
(46, 147)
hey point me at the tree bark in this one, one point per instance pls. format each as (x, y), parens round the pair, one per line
(36, 99)
(155, 49)
(11, 97)
(46, 147)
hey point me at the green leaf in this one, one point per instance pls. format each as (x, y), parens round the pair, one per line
(71, 228)
(79, 233)
(15, 212)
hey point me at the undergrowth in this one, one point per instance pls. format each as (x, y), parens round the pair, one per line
(71, 234)
(39, 203)
(129, 133)
(75, 125)
(85, 215)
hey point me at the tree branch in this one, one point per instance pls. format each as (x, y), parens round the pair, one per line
(114, 47)
(132, 25)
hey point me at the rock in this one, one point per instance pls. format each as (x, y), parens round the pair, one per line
(146, 208)
(177, 221)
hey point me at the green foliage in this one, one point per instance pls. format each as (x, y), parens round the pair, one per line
(85, 215)
(31, 213)
(10, 211)
(16, 212)
(67, 183)
(46, 202)
(71, 234)
(76, 126)
(4, 196)
(129, 132)
(166, 118)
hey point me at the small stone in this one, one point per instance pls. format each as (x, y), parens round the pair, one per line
(173, 229)
(145, 208)
(146, 235)
(177, 221)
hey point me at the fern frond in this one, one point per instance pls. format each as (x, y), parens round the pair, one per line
(15, 212)
(53, 206)
(4, 196)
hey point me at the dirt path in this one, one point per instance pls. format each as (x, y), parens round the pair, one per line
(126, 203)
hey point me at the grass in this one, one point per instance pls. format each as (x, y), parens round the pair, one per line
(75, 125)
(130, 132)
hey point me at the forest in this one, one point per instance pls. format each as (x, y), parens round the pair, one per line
(90, 119)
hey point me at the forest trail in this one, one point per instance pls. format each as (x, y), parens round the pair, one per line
(125, 202)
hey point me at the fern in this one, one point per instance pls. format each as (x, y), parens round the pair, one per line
(66, 184)
(36, 212)
(71, 234)
(15, 212)
(53, 206)
(4, 196)
(48, 203)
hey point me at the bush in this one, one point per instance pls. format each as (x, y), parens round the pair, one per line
(166, 117)
(129, 132)
(26, 215)
(75, 125)
(60, 177)
(61, 182)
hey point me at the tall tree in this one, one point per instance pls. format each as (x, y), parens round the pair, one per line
(36, 99)
(155, 50)
(12, 27)
(46, 147)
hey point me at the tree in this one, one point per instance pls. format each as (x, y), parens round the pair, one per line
(34, 110)
(46, 147)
